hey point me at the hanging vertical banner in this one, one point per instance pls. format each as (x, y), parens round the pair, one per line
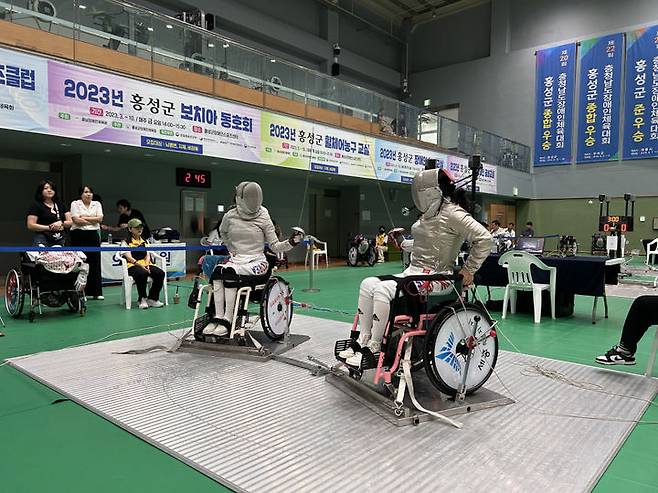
(554, 91)
(598, 105)
(641, 99)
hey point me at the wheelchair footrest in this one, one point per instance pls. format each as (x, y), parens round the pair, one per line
(343, 345)
(369, 360)
(200, 324)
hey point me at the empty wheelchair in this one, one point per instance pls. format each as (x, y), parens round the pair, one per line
(41, 287)
(273, 296)
(361, 249)
(453, 341)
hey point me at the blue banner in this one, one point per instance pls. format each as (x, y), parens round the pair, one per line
(556, 69)
(600, 93)
(641, 98)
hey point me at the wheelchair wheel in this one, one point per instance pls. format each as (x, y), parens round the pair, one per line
(73, 302)
(445, 349)
(352, 256)
(372, 257)
(276, 308)
(14, 295)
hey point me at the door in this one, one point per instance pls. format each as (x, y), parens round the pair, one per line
(325, 220)
(193, 214)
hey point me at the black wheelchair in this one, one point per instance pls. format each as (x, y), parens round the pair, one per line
(361, 250)
(273, 295)
(41, 287)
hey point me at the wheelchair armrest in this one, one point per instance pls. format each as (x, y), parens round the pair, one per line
(422, 277)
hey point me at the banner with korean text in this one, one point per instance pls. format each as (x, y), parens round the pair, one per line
(599, 99)
(554, 93)
(302, 144)
(641, 98)
(55, 98)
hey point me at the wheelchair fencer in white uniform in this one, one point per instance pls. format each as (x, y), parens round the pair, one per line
(245, 230)
(437, 238)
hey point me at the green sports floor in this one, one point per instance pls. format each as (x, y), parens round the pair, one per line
(50, 444)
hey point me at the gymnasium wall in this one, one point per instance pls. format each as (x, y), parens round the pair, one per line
(579, 218)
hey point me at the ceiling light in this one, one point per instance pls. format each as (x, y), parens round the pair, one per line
(225, 45)
(211, 45)
(273, 60)
(169, 26)
(149, 29)
(82, 6)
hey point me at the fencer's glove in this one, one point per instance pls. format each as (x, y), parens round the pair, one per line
(295, 239)
(296, 236)
(396, 237)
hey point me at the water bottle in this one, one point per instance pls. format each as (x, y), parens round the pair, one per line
(176, 297)
(109, 238)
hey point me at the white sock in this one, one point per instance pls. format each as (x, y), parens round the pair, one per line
(230, 294)
(381, 310)
(218, 293)
(365, 317)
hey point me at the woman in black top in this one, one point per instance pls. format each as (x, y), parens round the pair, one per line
(48, 217)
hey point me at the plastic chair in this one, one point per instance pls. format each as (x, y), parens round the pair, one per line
(652, 249)
(128, 281)
(316, 253)
(519, 278)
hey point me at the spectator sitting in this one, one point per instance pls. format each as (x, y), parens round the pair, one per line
(381, 243)
(500, 236)
(217, 252)
(48, 217)
(126, 213)
(140, 267)
(528, 232)
(510, 231)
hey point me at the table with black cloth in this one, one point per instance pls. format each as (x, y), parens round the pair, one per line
(581, 275)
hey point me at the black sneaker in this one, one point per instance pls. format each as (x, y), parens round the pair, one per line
(616, 356)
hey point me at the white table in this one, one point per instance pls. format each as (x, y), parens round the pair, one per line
(111, 264)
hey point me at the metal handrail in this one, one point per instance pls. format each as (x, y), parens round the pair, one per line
(499, 153)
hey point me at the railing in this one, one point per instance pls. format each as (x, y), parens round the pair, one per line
(137, 31)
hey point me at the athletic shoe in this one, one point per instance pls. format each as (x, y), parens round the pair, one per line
(143, 305)
(221, 330)
(616, 356)
(346, 353)
(354, 360)
(210, 328)
(100, 298)
(155, 303)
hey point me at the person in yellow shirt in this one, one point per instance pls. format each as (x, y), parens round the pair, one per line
(381, 243)
(140, 267)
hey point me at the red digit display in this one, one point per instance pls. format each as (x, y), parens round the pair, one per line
(193, 178)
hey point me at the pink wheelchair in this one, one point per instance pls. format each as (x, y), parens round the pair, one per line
(454, 341)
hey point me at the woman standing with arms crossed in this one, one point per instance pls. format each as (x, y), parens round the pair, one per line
(87, 215)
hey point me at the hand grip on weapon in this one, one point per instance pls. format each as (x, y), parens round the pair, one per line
(296, 236)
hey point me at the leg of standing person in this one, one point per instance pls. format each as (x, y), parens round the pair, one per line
(139, 274)
(84, 238)
(94, 281)
(642, 314)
